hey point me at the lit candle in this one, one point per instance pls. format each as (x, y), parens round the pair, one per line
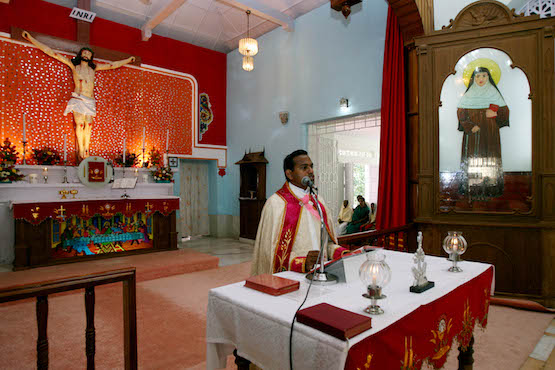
(167, 140)
(123, 156)
(45, 171)
(374, 275)
(136, 172)
(455, 245)
(65, 148)
(144, 137)
(24, 127)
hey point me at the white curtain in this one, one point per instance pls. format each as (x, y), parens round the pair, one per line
(193, 208)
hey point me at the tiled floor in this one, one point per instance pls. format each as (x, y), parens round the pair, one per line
(543, 356)
(229, 251)
(232, 251)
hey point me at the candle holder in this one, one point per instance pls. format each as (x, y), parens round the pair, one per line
(64, 181)
(374, 293)
(375, 274)
(24, 142)
(45, 175)
(124, 195)
(144, 160)
(455, 245)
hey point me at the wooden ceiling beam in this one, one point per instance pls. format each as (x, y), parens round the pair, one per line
(159, 17)
(263, 11)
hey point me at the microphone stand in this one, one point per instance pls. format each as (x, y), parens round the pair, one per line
(321, 277)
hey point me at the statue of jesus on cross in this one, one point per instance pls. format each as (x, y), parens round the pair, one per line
(82, 104)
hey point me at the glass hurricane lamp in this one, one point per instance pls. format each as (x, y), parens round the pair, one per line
(455, 245)
(375, 274)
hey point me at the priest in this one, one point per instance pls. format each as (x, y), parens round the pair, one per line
(288, 236)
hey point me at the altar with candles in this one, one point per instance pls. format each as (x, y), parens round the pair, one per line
(49, 221)
(84, 169)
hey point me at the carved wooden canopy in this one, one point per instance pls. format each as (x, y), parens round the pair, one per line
(484, 13)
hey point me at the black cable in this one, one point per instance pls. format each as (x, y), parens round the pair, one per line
(305, 297)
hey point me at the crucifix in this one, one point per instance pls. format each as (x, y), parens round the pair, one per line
(82, 103)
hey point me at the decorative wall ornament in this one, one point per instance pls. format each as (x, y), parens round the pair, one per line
(284, 117)
(343, 6)
(206, 116)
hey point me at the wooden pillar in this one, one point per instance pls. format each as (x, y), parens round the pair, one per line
(130, 323)
(466, 359)
(90, 336)
(42, 340)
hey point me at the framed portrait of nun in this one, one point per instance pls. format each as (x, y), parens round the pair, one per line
(485, 135)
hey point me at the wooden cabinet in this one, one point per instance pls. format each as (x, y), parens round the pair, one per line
(252, 193)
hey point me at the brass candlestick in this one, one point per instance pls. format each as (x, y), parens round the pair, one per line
(24, 142)
(64, 181)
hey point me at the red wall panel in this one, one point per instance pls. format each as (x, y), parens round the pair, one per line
(207, 66)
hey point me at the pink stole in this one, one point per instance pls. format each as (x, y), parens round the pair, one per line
(290, 225)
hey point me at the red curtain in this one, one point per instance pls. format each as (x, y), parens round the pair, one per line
(392, 190)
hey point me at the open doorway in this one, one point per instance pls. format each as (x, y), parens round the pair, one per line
(346, 156)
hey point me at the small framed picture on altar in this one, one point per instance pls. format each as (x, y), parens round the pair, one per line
(173, 161)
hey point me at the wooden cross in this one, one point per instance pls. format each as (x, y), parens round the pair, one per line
(83, 39)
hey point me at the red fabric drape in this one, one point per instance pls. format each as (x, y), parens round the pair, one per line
(392, 190)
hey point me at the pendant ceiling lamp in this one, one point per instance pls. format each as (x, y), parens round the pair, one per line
(248, 46)
(248, 63)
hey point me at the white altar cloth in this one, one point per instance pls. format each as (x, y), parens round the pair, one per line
(258, 324)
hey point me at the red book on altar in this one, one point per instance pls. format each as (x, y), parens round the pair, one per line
(271, 284)
(334, 321)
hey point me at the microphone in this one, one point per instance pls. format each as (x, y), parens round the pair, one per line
(306, 181)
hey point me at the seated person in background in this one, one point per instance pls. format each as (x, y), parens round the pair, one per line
(371, 224)
(345, 216)
(288, 236)
(360, 216)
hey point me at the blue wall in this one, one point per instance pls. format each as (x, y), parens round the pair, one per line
(304, 72)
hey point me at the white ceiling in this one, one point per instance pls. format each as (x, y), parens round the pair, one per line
(213, 24)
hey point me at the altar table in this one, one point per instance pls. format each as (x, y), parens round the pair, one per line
(414, 328)
(69, 230)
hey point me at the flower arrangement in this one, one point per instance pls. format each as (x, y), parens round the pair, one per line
(46, 156)
(8, 157)
(8, 154)
(155, 158)
(131, 159)
(162, 174)
(9, 173)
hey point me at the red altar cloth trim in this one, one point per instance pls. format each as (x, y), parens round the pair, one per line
(36, 213)
(429, 332)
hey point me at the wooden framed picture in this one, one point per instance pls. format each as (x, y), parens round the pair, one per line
(173, 161)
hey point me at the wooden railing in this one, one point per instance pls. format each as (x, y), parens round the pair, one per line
(88, 282)
(401, 238)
